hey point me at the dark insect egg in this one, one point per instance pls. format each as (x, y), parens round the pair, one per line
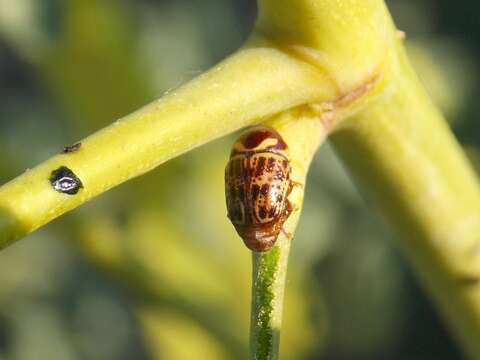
(65, 181)
(252, 191)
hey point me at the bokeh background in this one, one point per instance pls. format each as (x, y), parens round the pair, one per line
(153, 269)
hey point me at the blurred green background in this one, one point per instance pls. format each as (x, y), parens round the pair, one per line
(153, 269)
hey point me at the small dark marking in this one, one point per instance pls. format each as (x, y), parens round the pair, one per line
(271, 213)
(260, 166)
(72, 148)
(65, 181)
(262, 212)
(264, 190)
(255, 191)
(241, 193)
(469, 280)
(271, 164)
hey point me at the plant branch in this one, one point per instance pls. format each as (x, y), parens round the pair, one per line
(401, 151)
(349, 40)
(254, 83)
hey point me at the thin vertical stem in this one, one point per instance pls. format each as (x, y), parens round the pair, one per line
(268, 287)
(303, 133)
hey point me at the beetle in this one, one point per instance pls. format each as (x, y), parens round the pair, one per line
(257, 185)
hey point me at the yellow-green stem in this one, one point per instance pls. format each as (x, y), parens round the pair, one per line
(402, 152)
(256, 82)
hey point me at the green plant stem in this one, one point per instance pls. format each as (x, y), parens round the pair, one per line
(268, 287)
(303, 133)
(402, 152)
(256, 82)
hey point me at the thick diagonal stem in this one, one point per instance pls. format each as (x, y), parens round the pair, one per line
(256, 82)
(403, 154)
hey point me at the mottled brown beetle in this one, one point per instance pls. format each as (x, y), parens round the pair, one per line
(257, 185)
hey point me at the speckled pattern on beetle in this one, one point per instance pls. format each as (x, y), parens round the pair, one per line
(257, 185)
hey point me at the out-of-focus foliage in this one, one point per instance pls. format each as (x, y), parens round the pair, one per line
(153, 269)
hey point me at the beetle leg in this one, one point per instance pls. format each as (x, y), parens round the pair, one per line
(292, 185)
(288, 235)
(287, 211)
(289, 208)
(296, 183)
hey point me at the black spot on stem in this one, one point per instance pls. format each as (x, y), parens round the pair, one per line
(65, 181)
